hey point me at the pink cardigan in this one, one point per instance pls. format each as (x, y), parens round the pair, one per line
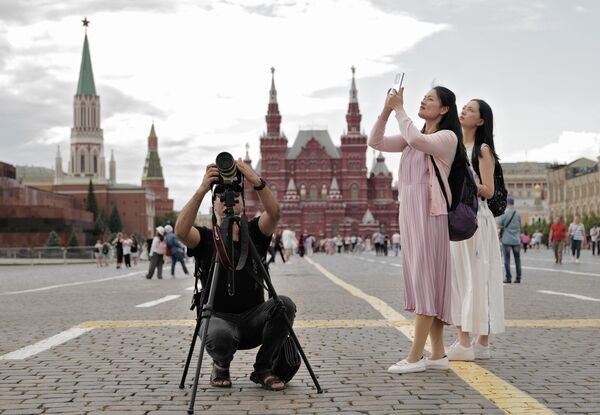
(441, 145)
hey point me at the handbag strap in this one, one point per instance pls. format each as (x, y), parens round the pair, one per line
(511, 218)
(439, 177)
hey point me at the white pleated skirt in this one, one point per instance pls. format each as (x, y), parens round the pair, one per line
(477, 286)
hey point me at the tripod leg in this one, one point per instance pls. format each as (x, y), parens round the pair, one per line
(190, 353)
(206, 314)
(267, 280)
(304, 358)
(197, 375)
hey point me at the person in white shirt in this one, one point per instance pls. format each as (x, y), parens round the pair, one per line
(577, 234)
(537, 239)
(396, 243)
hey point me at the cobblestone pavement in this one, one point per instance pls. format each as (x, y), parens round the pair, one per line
(128, 359)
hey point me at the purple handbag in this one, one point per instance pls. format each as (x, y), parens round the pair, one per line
(462, 215)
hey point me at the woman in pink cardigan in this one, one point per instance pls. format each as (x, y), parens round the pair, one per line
(423, 216)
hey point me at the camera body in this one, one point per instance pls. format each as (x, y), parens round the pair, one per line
(230, 176)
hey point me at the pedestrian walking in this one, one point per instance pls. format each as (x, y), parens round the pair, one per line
(577, 234)
(557, 237)
(396, 243)
(525, 241)
(309, 242)
(118, 244)
(98, 253)
(277, 246)
(594, 239)
(537, 239)
(509, 225)
(477, 292)
(157, 252)
(135, 250)
(127, 242)
(423, 212)
(176, 248)
(106, 247)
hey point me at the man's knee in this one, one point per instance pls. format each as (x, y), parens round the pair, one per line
(290, 307)
(220, 340)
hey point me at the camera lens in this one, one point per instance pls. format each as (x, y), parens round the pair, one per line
(227, 168)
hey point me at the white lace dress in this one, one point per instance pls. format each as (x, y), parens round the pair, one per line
(477, 287)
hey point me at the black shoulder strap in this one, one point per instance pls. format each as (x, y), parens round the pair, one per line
(511, 218)
(439, 177)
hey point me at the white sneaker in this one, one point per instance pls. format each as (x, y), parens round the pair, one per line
(438, 364)
(403, 366)
(459, 352)
(480, 351)
(577, 261)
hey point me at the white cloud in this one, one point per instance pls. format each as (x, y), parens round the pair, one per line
(570, 146)
(185, 63)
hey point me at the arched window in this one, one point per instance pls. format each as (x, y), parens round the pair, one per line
(303, 192)
(95, 164)
(324, 191)
(313, 192)
(82, 167)
(354, 191)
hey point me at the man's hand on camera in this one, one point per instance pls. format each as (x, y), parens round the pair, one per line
(247, 172)
(210, 177)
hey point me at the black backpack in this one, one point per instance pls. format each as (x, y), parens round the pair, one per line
(497, 203)
(462, 213)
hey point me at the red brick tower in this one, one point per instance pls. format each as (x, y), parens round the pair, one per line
(353, 175)
(273, 146)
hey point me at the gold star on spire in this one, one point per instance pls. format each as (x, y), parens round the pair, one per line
(86, 23)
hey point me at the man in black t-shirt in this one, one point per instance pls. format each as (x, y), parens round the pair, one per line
(244, 320)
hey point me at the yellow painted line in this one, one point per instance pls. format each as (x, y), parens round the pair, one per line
(504, 395)
(122, 324)
(501, 393)
(554, 324)
(342, 324)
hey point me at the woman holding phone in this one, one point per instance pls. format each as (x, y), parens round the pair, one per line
(423, 213)
(477, 291)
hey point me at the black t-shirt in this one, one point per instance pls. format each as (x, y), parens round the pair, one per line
(248, 293)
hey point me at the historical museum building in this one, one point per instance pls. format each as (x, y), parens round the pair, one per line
(527, 183)
(137, 205)
(575, 188)
(324, 189)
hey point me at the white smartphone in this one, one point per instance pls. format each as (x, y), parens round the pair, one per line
(398, 81)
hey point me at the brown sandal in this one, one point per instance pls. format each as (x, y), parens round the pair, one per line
(219, 377)
(267, 381)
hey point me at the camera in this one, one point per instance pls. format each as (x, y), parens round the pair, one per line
(227, 169)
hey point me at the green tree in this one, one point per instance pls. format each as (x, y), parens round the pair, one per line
(114, 223)
(167, 219)
(53, 240)
(101, 223)
(92, 206)
(73, 241)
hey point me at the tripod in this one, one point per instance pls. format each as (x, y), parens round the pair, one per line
(206, 311)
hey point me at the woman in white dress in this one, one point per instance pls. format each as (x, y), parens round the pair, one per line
(477, 289)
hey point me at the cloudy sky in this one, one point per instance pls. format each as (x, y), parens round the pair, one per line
(200, 70)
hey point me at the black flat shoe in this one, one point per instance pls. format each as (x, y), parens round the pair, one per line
(507, 281)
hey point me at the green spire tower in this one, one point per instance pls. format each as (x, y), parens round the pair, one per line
(153, 177)
(87, 138)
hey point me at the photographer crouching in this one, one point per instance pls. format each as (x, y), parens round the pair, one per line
(242, 319)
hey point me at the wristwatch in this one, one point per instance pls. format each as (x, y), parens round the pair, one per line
(261, 185)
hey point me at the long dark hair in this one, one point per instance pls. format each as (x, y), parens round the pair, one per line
(450, 119)
(451, 122)
(484, 134)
